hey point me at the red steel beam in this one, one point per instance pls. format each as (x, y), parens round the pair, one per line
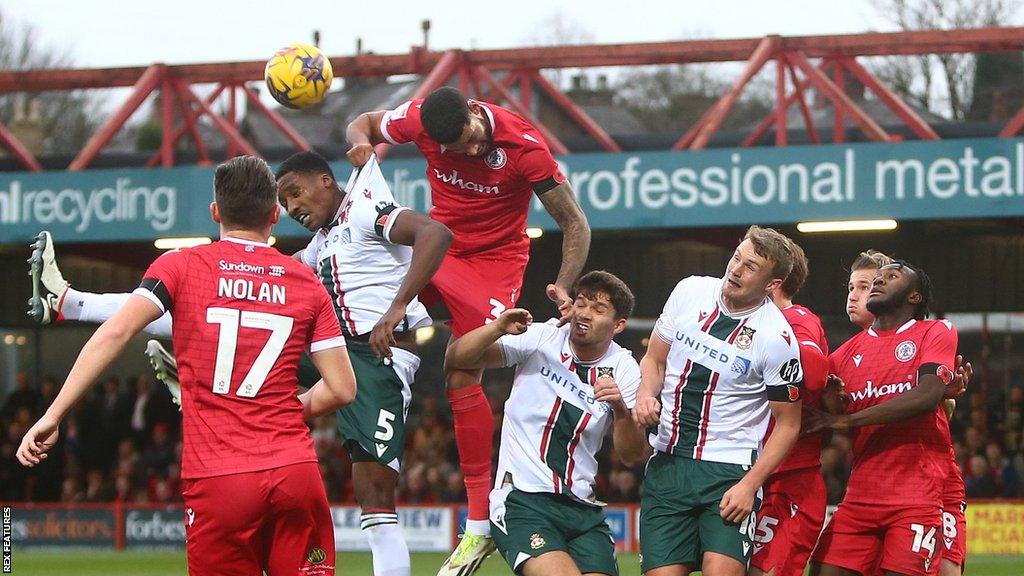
(143, 87)
(167, 123)
(839, 98)
(804, 111)
(279, 122)
(768, 120)
(526, 86)
(995, 39)
(190, 116)
(19, 150)
(721, 108)
(232, 115)
(780, 101)
(838, 123)
(1014, 126)
(554, 143)
(575, 112)
(444, 69)
(492, 95)
(230, 132)
(894, 102)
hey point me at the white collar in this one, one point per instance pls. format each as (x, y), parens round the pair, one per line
(244, 241)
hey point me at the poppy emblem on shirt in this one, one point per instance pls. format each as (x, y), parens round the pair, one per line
(906, 351)
(944, 374)
(496, 159)
(605, 372)
(745, 338)
(794, 392)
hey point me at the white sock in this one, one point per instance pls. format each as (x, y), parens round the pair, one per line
(478, 527)
(97, 308)
(387, 544)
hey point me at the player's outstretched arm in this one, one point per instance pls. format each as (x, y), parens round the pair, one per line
(738, 501)
(335, 389)
(363, 134)
(479, 348)
(561, 204)
(430, 241)
(647, 411)
(105, 345)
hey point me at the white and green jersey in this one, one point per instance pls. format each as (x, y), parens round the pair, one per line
(553, 426)
(358, 263)
(721, 372)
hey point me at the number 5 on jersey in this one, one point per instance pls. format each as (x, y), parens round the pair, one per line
(230, 320)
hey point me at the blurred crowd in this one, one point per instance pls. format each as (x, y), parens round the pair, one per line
(123, 444)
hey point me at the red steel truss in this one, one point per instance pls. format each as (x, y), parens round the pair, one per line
(512, 77)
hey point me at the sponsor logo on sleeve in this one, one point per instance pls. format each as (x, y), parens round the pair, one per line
(790, 371)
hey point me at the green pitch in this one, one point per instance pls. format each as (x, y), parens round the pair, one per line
(173, 564)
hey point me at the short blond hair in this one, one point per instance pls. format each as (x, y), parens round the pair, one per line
(870, 260)
(774, 247)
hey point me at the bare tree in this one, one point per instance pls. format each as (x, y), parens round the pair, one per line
(66, 118)
(941, 83)
(557, 29)
(672, 98)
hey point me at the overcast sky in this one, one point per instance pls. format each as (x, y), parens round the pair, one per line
(123, 33)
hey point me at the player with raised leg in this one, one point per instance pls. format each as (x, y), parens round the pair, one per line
(253, 494)
(484, 165)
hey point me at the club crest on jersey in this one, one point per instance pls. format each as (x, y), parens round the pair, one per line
(605, 372)
(906, 351)
(496, 159)
(745, 338)
(537, 541)
(316, 556)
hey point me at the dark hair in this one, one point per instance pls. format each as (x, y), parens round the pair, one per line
(795, 281)
(307, 162)
(773, 246)
(870, 260)
(602, 282)
(923, 285)
(245, 191)
(444, 114)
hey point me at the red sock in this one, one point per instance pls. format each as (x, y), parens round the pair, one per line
(474, 433)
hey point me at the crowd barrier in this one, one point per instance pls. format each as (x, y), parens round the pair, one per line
(994, 527)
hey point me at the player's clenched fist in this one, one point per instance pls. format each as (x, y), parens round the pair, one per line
(514, 321)
(647, 411)
(359, 154)
(606, 390)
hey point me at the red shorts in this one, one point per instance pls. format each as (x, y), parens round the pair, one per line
(789, 521)
(954, 532)
(476, 289)
(866, 537)
(276, 521)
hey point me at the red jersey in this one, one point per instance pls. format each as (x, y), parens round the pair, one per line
(906, 462)
(807, 329)
(483, 200)
(243, 315)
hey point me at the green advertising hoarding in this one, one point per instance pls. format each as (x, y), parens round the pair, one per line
(723, 187)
